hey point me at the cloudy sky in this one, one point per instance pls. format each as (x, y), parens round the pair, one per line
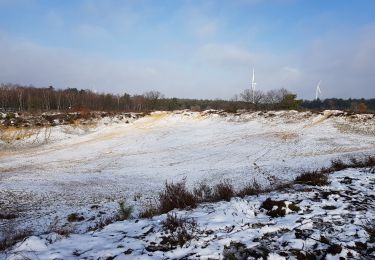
(190, 48)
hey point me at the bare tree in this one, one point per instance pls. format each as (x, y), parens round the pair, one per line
(256, 100)
(151, 98)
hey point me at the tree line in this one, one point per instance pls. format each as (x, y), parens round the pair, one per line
(15, 97)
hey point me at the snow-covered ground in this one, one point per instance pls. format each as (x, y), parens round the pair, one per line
(87, 172)
(328, 222)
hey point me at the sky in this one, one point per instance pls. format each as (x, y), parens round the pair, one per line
(191, 48)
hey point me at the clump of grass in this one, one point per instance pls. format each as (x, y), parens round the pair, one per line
(179, 230)
(314, 178)
(203, 192)
(75, 217)
(149, 210)
(103, 221)
(176, 196)
(338, 165)
(223, 191)
(65, 230)
(124, 210)
(250, 189)
(370, 229)
(11, 235)
(8, 216)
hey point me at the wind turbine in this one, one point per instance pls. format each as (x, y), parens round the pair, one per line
(318, 91)
(253, 86)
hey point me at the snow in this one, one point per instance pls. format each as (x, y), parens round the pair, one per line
(240, 220)
(88, 169)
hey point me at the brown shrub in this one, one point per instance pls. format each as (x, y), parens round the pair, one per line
(149, 210)
(104, 221)
(203, 192)
(8, 216)
(179, 230)
(12, 235)
(338, 165)
(74, 217)
(370, 229)
(176, 196)
(250, 189)
(223, 191)
(314, 178)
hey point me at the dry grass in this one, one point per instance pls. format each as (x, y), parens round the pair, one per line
(176, 196)
(250, 189)
(179, 230)
(320, 177)
(314, 178)
(286, 136)
(75, 217)
(11, 235)
(11, 134)
(223, 191)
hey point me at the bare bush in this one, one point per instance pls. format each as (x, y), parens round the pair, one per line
(203, 192)
(11, 235)
(250, 189)
(176, 196)
(338, 165)
(314, 178)
(223, 191)
(179, 230)
(7, 215)
(149, 209)
(103, 221)
(75, 217)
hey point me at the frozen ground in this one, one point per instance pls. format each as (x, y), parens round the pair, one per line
(329, 222)
(86, 172)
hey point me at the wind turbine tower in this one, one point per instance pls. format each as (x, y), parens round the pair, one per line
(318, 91)
(253, 86)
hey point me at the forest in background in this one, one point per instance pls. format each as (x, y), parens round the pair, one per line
(36, 99)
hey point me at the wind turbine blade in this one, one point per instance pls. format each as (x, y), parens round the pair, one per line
(318, 87)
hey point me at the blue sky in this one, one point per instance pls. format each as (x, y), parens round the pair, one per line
(201, 49)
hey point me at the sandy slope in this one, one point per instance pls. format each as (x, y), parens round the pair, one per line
(123, 160)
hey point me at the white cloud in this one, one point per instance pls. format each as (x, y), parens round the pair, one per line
(210, 70)
(225, 55)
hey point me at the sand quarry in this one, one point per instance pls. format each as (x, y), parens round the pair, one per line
(48, 174)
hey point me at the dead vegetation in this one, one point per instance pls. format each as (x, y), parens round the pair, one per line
(313, 178)
(177, 231)
(250, 189)
(178, 196)
(7, 215)
(10, 235)
(75, 217)
(321, 177)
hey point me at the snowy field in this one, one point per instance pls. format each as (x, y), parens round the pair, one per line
(330, 222)
(86, 171)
